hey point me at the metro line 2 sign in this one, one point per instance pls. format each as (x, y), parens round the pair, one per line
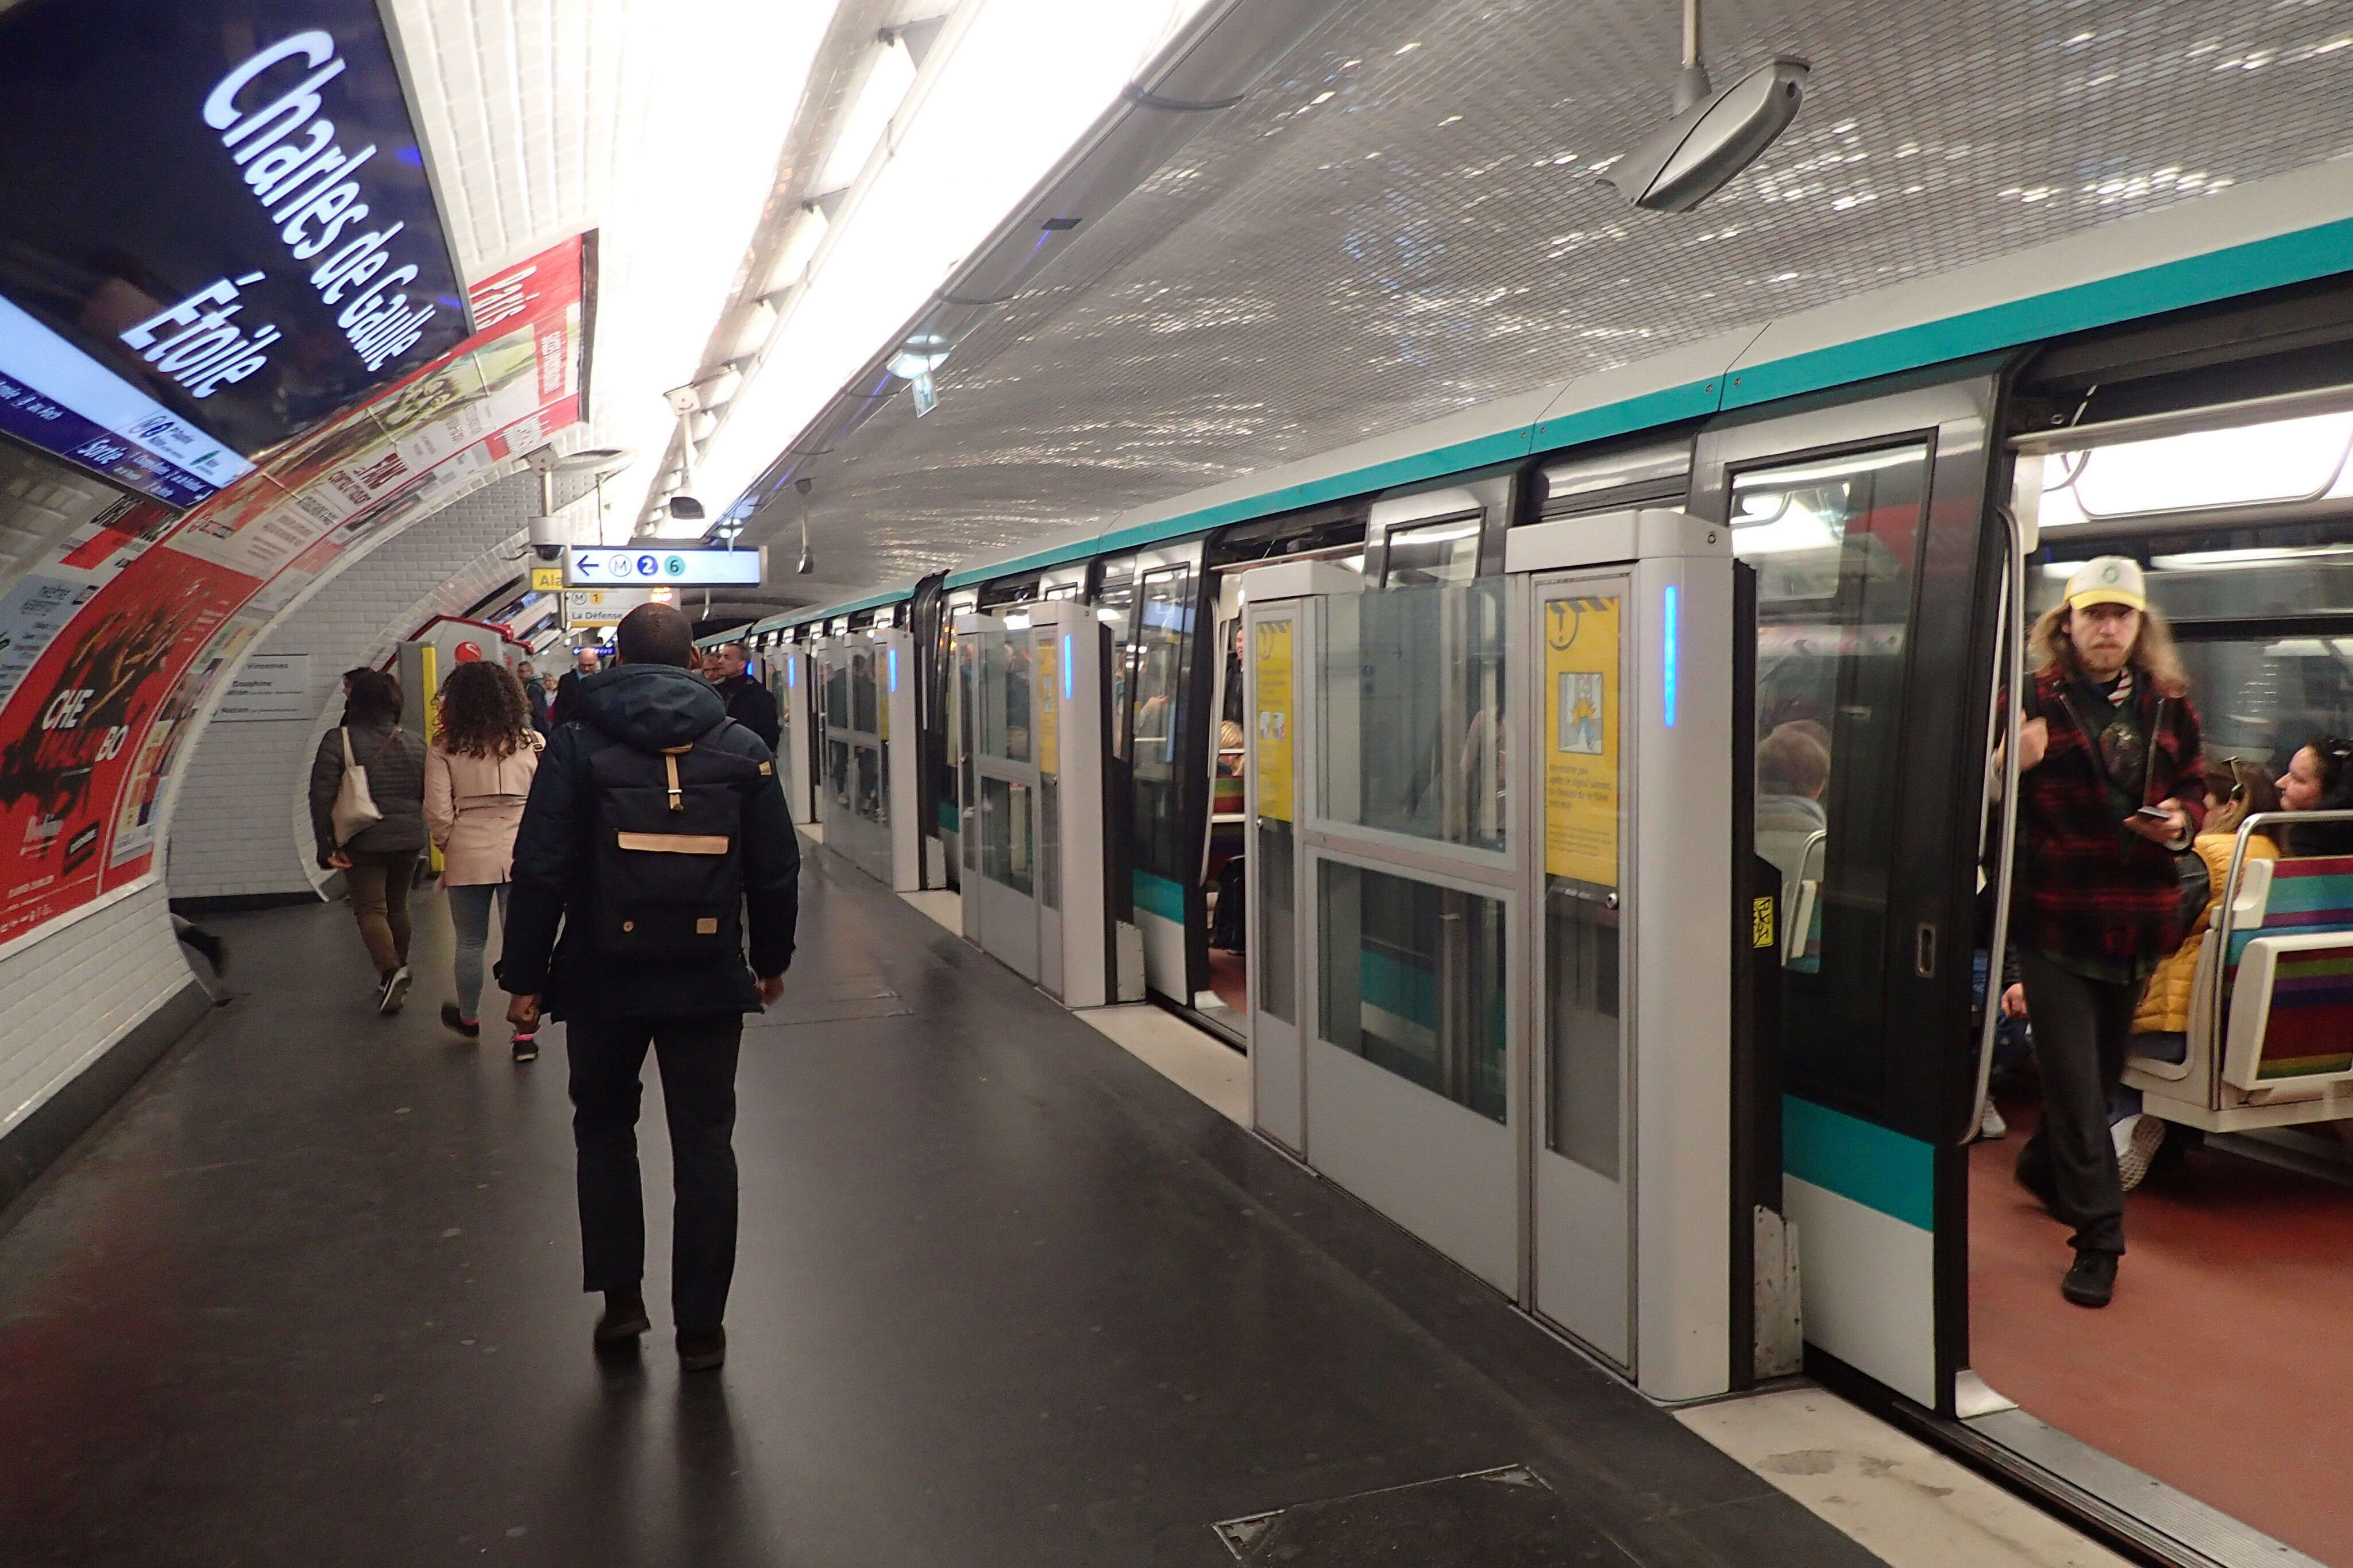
(591, 566)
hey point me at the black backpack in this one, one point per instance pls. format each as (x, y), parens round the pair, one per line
(668, 866)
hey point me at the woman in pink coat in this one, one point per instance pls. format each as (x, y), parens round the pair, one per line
(476, 777)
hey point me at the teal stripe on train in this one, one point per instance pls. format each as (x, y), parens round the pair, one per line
(1874, 1166)
(1158, 896)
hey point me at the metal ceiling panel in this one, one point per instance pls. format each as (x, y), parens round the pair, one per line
(1405, 222)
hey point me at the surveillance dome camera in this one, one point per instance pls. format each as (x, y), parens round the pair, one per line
(686, 509)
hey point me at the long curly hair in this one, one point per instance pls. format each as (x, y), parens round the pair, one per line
(483, 712)
(2153, 650)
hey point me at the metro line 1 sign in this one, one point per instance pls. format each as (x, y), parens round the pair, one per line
(651, 566)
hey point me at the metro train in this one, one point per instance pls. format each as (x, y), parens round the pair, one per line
(1691, 1065)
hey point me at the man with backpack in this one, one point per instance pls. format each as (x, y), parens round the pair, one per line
(657, 834)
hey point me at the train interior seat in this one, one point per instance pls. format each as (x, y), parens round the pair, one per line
(2279, 1050)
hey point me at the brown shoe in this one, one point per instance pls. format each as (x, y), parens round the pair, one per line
(701, 1350)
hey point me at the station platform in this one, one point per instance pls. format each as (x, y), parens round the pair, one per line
(1006, 1295)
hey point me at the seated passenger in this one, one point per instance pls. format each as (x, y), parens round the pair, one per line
(1793, 768)
(2161, 1027)
(2318, 779)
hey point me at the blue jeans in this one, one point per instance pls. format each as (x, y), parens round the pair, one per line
(470, 911)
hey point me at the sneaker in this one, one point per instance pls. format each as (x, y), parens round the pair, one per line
(2091, 1279)
(1990, 1125)
(701, 1350)
(526, 1047)
(2138, 1139)
(394, 992)
(623, 1320)
(452, 1019)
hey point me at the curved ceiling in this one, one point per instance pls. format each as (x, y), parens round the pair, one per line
(1404, 221)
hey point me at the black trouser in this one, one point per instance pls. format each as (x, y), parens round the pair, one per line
(2080, 1029)
(697, 1059)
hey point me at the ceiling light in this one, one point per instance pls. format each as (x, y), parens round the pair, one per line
(888, 78)
(808, 232)
(2277, 461)
(1714, 135)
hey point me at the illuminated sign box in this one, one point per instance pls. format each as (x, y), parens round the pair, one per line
(216, 232)
(591, 566)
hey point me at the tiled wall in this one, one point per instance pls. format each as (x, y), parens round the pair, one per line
(242, 823)
(77, 988)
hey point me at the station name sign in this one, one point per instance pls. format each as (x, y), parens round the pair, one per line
(230, 217)
(649, 566)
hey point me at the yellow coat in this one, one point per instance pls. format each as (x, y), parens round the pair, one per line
(2165, 1005)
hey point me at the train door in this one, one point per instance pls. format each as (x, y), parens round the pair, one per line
(1407, 874)
(867, 699)
(1626, 647)
(796, 701)
(1161, 731)
(1875, 577)
(1001, 776)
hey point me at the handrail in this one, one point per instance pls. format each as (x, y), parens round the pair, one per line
(2012, 699)
(2218, 930)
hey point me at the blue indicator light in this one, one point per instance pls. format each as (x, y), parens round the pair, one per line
(791, 671)
(1067, 675)
(894, 664)
(1669, 684)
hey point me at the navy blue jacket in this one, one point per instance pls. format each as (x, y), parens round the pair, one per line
(648, 706)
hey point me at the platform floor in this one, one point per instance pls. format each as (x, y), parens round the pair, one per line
(2222, 1368)
(1008, 1296)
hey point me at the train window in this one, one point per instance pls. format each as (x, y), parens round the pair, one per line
(1114, 606)
(1158, 650)
(1443, 550)
(1412, 681)
(1835, 543)
(2261, 634)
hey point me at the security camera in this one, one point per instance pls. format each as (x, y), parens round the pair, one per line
(1694, 154)
(547, 540)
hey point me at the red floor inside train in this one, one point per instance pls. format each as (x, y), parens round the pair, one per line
(2224, 1367)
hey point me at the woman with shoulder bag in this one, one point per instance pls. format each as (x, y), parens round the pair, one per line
(476, 779)
(367, 813)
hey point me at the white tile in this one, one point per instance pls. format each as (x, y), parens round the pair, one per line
(1209, 1069)
(1907, 1504)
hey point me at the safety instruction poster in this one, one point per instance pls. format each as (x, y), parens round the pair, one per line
(1271, 751)
(1581, 687)
(1049, 706)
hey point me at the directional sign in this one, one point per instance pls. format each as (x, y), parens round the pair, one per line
(606, 606)
(652, 565)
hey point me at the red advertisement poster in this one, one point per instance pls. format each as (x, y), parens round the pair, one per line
(72, 730)
(96, 709)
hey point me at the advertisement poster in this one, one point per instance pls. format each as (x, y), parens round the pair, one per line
(1270, 755)
(1581, 687)
(72, 731)
(111, 646)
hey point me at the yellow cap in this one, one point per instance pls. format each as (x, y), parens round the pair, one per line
(2108, 580)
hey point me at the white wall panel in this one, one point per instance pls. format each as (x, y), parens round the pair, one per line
(68, 996)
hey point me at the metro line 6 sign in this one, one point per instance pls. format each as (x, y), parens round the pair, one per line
(592, 566)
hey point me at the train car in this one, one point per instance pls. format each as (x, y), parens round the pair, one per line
(1431, 778)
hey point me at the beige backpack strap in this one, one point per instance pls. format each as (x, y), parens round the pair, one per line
(670, 755)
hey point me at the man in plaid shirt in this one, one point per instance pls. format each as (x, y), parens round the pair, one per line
(2111, 787)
